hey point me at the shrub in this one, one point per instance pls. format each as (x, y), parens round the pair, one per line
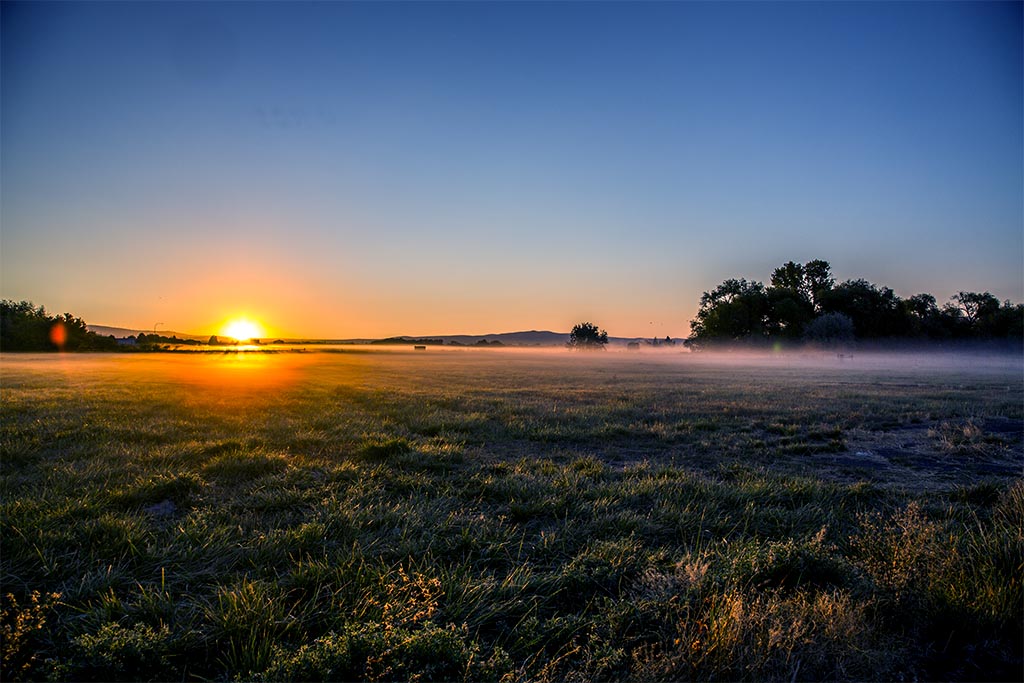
(20, 627)
(771, 636)
(830, 329)
(899, 552)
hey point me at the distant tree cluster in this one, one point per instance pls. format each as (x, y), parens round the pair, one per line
(408, 340)
(587, 337)
(154, 338)
(803, 302)
(26, 327)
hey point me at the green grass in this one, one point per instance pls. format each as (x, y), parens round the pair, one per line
(508, 516)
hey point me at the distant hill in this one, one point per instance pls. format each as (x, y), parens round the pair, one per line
(528, 338)
(121, 332)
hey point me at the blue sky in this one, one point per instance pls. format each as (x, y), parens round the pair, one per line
(351, 169)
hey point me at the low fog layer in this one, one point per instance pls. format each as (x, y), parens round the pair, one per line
(261, 368)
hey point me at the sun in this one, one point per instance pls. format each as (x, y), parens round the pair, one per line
(242, 329)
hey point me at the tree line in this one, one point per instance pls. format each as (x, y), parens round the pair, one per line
(802, 302)
(26, 327)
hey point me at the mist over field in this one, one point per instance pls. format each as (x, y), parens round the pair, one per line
(291, 366)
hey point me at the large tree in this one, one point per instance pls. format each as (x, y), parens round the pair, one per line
(789, 276)
(734, 310)
(818, 280)
(806, 282)
(985, 317)
(976, 306)
(923, 317)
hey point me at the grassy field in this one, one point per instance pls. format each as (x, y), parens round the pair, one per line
(501, 515)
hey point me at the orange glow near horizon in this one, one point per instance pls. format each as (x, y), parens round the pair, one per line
(242, 329)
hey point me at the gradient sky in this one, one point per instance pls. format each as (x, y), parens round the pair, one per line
(344, 170)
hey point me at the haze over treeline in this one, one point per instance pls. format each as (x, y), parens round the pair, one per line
(803, 302)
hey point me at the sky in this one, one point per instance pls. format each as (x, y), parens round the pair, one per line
(346, 170)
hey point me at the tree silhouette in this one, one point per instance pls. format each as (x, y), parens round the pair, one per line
(818, 280)
(799, 296)
(26, 327)
(734, 310)
(789, 275)
(586, 337)
(976, 306)
(875, 311)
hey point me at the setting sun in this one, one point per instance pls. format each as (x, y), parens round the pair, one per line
(242, 329)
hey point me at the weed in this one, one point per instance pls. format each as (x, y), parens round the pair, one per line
(20, 628)
(115, 652)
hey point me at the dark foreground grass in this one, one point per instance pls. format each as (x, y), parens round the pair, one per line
(504, 516)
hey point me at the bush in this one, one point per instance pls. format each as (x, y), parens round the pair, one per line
(20, 628)
(830, 329)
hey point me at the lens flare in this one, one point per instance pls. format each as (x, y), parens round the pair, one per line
(59, 335)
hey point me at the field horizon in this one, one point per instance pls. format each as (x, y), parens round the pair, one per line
(518, 338)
